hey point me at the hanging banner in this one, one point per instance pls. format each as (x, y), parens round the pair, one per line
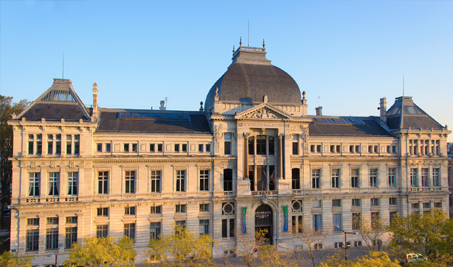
(244, 227)
(285, 212)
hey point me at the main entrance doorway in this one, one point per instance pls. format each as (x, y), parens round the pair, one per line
(263, 224)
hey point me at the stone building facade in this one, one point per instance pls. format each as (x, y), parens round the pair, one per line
(251, 158)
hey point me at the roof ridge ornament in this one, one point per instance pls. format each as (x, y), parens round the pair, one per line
(240, 41)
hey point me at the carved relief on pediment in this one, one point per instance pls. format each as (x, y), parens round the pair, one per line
(264, 113)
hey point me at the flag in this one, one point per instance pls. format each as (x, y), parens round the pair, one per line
(264, 179)
(272, 179)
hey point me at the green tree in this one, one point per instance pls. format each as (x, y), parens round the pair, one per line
(7, 109)
(105, 251)
(312, 241)
(427, 234)
(180, 248)
(371, 230)
(11, 259)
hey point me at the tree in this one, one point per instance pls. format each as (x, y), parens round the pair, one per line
(105, 251)
(13, 260)
(312, 240)
(7, 109)
(371, 230)
(180, 248)
(375, 259)
(427, 234)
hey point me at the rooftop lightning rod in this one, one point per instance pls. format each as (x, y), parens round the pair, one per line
(248, 32)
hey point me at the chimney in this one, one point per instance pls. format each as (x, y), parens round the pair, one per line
(304, 104)
(162, 105)
(383, 110)
(319, 111)
(95, 101)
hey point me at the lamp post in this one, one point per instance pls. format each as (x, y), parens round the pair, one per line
(55, 254)
(345, 244)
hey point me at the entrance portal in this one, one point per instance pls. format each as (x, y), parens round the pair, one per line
(263, 224)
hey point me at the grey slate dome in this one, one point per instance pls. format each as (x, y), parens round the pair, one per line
(250, 77)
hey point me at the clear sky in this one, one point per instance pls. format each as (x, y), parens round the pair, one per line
(347, 53)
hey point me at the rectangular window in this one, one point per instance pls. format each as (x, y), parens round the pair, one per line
(33, 221)
(436, 180)
(69, 144)
(134, 147)
(318, 148)
(336, 178)
(58, 144)
(425, 178)
(129, 230)
(227, 228)
(152, 147)
(176, 147)
(355, 178)
(373, 178)
(317, 222)
(375, 202)
(76, 144)
(126, 147)
(332, 149)
(370, 149)
(102, 230)
(392, 181)
(72, 219)
(394, 149)
(315, 178)
(438, 205)
(295, 148)
(107, 147)
(73, 182)
(54, 183)
(103, 182)
(351, 149)
(39, 144)
(204, 180)
(413, 176)
(160, 147)
(184, 147)
(356, 202)
(336, 202)
(130, 182)
(392, 201)
(376, 149)
(204, 227)
(103, 212)
(200, 148)
(181, 208)
(357, 148)
(99, 147)
(261, 145)
(295, 178)
(52, 220)
(155, 181)
(180, 181)
(156, 209)
(33, 185)
(427, 205)
(52, 238)
(375, 220)
(312, 148)
(415, 205)
(227, 180)
(154, 230)
(32, 240)
(392, 216)
(204, 207)
(208, 148)
(70, 236)
(227, 144)
(337, 222)
(316, 203)
(388, 149)
(356, 221)
(50, 144)
(129, 210)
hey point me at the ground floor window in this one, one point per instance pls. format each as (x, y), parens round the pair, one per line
(102, 230)
(71, 236)
(32, 240)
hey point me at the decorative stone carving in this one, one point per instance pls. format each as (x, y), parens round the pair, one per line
(305, 134)
(217, 133)
(264, 198)
(265, 99)
(264, 114)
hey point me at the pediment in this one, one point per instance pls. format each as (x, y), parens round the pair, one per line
(264, 111)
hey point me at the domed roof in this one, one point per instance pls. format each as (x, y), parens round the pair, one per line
(250, 77)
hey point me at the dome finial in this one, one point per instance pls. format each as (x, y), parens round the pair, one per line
(240, 41)
(303, 95)
(201, 106)
(264, 44)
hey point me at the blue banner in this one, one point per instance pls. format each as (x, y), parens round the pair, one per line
(244, 227)
(285, 212)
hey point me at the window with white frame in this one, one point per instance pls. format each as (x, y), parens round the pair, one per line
(180, 180)
(32, 240)
(204, 227)
(436, 178)
(156, 209)
(130, 210)
(70, 236)
(181, 208)
(155, 181)
(375, 202)
(129, 230)
(130, 182)
(54, 183)
(373, 178)
(316, 177)
(52, 238)
(33, 184)
(102, 230)
(154, 230)
(103, 212)
(73, 182)
(336, 178)
(103, 182)
(391, 175)
(204, 180)
(425, 177)
(413, 177)
(355, 178)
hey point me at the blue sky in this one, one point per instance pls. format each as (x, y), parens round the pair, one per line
(347, 53)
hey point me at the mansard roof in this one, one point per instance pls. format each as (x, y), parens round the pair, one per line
(60, 101)
(404, 113)
(348, 126)
(153, 121)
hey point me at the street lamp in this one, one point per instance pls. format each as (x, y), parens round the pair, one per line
(345, 244)
(55, 254)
